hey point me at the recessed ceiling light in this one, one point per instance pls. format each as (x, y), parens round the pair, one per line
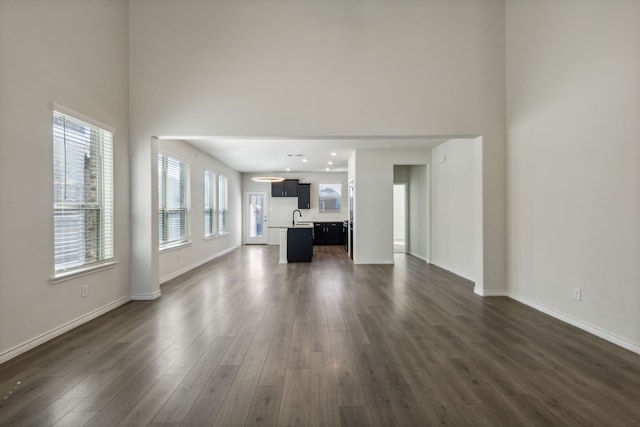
(330, 162)
(334, 154)
(327, 169)
(305, 160)
(288, 169)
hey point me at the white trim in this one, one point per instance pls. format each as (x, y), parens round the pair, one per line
(146, 297)
(420, 257)
(174, 246)
(455, 271)
(489, 293)
(194, 265)
(83, 271)
(47, 336)
(88, 120)
(579, 324)
(374, 261)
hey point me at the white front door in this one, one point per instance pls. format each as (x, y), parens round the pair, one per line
(255, 224)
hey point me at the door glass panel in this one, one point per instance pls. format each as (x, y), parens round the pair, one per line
(256, 203)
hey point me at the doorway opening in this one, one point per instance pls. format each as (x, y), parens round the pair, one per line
(400, 223)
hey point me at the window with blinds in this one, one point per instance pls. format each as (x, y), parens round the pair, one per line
(173, 201)
(82, 194)
(223, 202)
(209, 204)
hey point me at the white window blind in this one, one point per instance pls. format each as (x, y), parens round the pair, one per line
(173, 201)
(223, 201)
(83, 194)
(209, 204)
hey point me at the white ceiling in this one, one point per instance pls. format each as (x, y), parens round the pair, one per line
(273, 155)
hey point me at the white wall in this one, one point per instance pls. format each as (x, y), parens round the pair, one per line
(574, 150)
(292, 68)
(74, 54)
(419, 212)
(176, 261)
(453, 207)
(373, 216)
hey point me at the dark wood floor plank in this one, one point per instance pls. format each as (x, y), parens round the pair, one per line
(355, 416)
(75, 419)
(324, 409)
(335, 322)
(237, 404)
(244, 340)
(188, 391)
(148, 406)
(350, 391)
(295, 404)
(353, 325)
(265, 406)
(319, 330)
(300, 345)
(117, 402)
(53, 413)
(275, 366)
(207, 406)
(240, 344)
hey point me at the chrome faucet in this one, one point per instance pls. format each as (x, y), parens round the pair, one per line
(293, 217)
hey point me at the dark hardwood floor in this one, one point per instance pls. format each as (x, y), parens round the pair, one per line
(243, 340)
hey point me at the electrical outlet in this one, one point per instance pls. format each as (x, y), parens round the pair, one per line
(84, 291)
(577, 294)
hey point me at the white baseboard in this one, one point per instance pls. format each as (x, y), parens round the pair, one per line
(454, 271)
(195, 265)
(489, 293)
(33, 343)
(420, 257)
(579, 324)
(374, 261)
(146, 297)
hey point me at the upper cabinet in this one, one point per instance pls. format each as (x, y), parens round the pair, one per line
(286, 188)
(304, 196)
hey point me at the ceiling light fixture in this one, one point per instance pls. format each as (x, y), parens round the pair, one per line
(267, 179)
(334, 154)
(330, 162)
(305, 160)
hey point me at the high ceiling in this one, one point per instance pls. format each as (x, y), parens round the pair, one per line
(266, 155)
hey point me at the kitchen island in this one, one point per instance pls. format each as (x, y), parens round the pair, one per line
(300, 243)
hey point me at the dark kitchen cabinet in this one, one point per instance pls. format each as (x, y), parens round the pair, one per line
(304, 196)
(299, 244)
(328, 233)
(286, 188)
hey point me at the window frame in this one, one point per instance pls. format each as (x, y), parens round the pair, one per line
(210, 180)
(163, 210)
(326, 206)
(99, 145)
(223, 208)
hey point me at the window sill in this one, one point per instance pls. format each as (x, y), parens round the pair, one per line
(82, 271)
(175, 246)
